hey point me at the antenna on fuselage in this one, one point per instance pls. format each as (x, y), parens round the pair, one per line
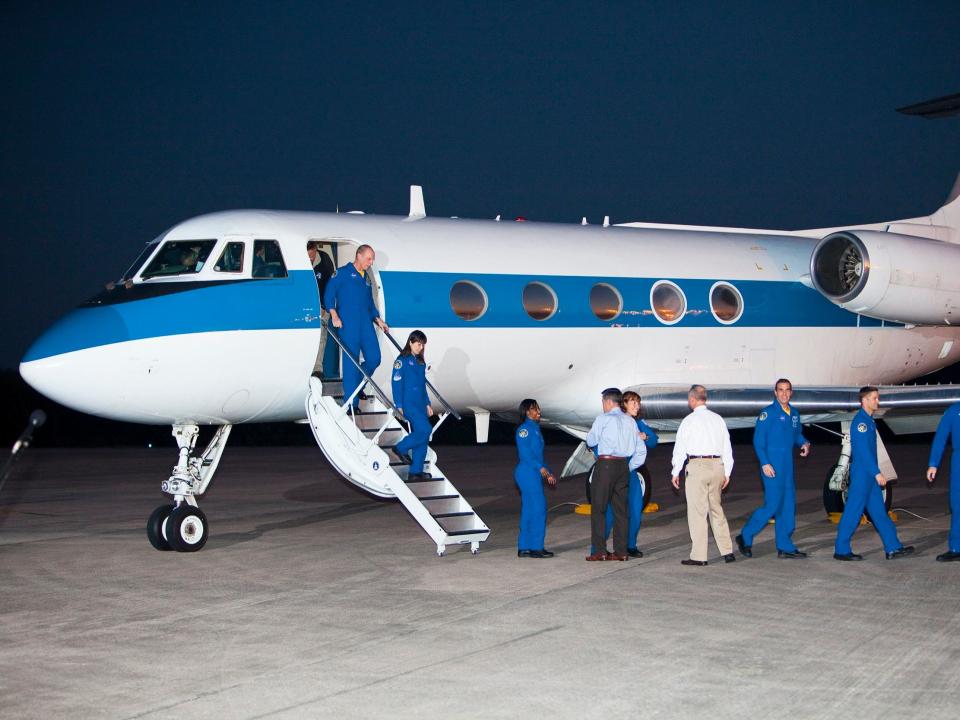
(606, 221)
(584, 221)
(418, 210)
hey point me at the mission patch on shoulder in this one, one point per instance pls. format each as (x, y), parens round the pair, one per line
(763, 416)
(397, 365)
(523, 432)
(862, 427)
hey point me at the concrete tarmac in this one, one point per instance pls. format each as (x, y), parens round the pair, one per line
(312, 599)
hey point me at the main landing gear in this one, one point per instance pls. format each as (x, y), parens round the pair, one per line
(183, 526)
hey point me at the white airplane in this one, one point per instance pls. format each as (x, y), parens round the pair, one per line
(218, 322)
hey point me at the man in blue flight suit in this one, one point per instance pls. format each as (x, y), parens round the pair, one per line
(777, 430)
(949, 429)
(865, 483)
(349, 299)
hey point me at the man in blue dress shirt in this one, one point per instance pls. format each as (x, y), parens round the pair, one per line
(619, 450)
(777, 431)
(949, 429)
(865, 483)
(349, 299)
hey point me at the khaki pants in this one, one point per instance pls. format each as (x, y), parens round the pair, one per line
(318, 363)
(703, 482)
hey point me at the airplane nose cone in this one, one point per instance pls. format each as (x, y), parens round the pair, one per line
(63, 363)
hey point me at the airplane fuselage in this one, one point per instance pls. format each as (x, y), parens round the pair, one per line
(672, 307)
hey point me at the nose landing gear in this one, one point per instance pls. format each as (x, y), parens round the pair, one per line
(183, 526)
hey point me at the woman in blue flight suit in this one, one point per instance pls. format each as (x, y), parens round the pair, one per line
(529, 476)
(635, 488)
(410, 397)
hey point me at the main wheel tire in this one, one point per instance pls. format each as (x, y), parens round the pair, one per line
(647, 485)
(187, 528)
(155, 529)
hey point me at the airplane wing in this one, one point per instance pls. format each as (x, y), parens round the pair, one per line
(906, 409)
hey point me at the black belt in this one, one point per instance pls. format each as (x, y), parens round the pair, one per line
(703, 457)
(610, 457)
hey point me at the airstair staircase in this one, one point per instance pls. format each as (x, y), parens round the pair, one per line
(360, 444)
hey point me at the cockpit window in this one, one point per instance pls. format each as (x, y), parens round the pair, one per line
(231, 259)
(268, 260)
(179, 257)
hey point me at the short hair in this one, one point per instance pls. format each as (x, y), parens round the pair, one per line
(613, 395)
(631, 395)
(697, 392)
(362, 249)
(866, 390)
(781, 381)
(313, 245)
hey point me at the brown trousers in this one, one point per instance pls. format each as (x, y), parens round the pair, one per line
(609, 486)
(703, 482)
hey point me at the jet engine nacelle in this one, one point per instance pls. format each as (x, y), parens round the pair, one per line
(889, 276)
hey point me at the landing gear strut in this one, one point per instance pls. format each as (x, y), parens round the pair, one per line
(183, 526)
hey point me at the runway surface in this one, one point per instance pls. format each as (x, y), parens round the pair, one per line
(312, 599)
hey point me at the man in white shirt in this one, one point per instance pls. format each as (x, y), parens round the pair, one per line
(703, 443)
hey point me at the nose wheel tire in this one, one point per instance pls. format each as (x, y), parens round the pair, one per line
(187, 528)
(156, 533)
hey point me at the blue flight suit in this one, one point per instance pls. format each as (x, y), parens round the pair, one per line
(774, 436)
(863, 491)
(410, 395)
(949, 429)
(634, 493)
(350, 294)
(527, 475)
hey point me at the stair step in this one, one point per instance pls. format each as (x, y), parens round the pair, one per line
(438, 516)
(440, 497)
(375, 430)
(476, 531)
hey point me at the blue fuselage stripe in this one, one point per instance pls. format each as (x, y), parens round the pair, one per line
(422, 299)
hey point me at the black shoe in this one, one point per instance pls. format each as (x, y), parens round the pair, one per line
(948, 556)
(420, 476)
(730, 558)
(791, 554)
(541, 554)
(848, 557)
(547, 553)
(745, 550)
(697, 563)
(635, 552)
(900, 552)
(523, 553)
(362, 396)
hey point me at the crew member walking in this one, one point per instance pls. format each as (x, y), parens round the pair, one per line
(410, 397)
(949, 429)
(635, 486)
(349, 300)
(619, 450)
(777, 430)
(865, 483)
(703, 443)
(529, 476)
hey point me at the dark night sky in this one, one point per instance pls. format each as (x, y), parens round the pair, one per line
(121, 119)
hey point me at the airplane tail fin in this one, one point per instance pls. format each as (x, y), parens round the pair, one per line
(949, 214)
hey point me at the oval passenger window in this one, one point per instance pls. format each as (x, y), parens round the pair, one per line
(605, 301)
(726, 303)
(539, 301)
(468, 300)
(668, 302)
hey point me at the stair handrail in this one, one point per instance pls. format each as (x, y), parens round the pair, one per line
(439, 397)
(331, 331)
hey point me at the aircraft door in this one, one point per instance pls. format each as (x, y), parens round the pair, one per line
(327, 363)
